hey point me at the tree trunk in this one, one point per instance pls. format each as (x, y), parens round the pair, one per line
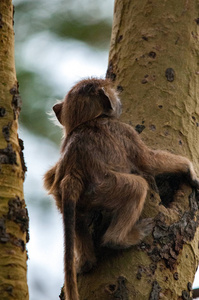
(13, 214)
(153, 63)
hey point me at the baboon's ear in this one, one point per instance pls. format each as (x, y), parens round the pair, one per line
(111, 102)
(57, 110)
(106, 100)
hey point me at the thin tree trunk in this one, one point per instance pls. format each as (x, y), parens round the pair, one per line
(13, 214)
(153, 63)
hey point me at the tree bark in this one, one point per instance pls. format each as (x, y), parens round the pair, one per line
(153, 63)
(13, 214)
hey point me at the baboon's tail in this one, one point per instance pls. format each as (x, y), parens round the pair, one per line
(71, 190)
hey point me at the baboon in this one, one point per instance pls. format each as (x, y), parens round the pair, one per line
(103, 164)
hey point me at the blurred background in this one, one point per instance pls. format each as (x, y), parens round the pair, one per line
(57, 43)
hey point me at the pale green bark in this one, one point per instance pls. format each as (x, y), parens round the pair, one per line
(153, 62)
(147, 39)
(13, 215)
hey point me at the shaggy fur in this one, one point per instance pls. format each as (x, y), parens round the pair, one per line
(103, 163)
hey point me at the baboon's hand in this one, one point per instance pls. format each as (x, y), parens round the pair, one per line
(192, 177)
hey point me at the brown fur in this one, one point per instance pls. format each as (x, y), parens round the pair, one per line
(103, 163)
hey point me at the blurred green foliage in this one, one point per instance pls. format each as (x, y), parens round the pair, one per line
(88, 21)
(80, 20)
(35, 94)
